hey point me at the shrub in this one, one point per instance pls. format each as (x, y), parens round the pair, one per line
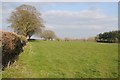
(12, 46)
(109, 37)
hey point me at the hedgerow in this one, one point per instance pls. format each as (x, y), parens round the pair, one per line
(12, 46)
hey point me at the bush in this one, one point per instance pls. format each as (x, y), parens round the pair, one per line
(109, 37)
(12, 46)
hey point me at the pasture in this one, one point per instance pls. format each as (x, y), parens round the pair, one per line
(65, 59)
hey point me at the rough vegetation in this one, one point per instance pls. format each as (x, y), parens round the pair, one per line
(12, 46)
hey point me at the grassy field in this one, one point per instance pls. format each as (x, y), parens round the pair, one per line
(60, 59)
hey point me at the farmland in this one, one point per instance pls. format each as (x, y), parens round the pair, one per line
(65, 59)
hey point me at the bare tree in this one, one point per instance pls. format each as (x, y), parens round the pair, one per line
(48, 35)
(26, 20)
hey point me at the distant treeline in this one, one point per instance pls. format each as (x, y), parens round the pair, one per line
(108, 37)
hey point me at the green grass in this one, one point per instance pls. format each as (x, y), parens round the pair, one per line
(60, 59)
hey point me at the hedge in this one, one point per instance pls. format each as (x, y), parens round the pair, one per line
(12, 46)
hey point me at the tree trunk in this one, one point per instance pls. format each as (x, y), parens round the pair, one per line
(29, 37)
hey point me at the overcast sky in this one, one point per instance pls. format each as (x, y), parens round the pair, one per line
(72, 20)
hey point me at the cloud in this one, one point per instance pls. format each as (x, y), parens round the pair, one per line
(82, 23)
(91, 18)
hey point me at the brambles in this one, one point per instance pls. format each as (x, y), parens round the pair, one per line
(12, 46)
